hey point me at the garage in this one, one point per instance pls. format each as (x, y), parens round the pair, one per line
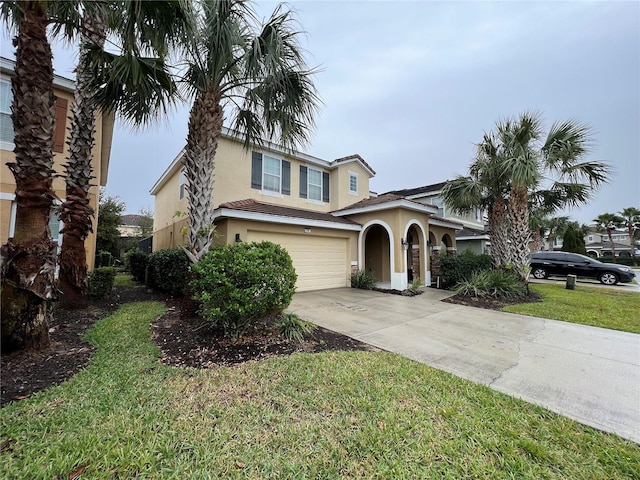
(320, 262)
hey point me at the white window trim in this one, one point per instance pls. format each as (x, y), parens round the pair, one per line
(6, 145)
(353, 175)
(315, 200)
(182, 187)
(264, 191)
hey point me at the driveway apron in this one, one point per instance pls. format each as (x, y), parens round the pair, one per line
(586, 373)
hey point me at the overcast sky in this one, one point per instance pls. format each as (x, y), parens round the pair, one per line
(412, 86)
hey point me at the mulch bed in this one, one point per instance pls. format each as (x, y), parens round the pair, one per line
(491, 303)
(188, 343)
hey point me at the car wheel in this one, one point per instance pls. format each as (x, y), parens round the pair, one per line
(609, 278)
(540, 273)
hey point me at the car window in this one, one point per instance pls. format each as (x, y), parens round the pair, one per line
(572, 258)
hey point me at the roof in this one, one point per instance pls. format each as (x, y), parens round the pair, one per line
(410, 192)
(265, 145)
(132, 219)
(607, 245)
(469, 233)
(263, 211)
(385, 202)
(8, 66)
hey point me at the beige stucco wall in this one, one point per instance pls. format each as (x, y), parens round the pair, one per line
(7, 182)
(232, 181)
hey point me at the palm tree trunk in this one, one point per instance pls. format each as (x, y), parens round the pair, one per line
(28, 259)
(631, 241)
(613, 248)
(76, 213)
(520, 232)
(498, 230)
(205, 126)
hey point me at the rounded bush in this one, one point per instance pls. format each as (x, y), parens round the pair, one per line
(239, 284)
(101, 282)
(169, 270)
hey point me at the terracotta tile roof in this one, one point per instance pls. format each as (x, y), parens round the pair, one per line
(407, 192)
(381, 199)
(251, 205)
(354, 157)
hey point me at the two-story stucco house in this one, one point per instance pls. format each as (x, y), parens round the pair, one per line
(474, 236)
(320, 211)
(63, 89)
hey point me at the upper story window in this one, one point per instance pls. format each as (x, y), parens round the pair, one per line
(182, 182)
(590, 238)
(437, 202)
(6, 125)
(271, 175)
(353, 183)
(314, 184)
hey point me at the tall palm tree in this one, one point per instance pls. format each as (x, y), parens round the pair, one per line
(631, 217)
(28, 259)
(485, 187)
(609, 222)
(261, 76)
(140, 28)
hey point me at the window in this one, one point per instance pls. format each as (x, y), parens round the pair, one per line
(353, 183)
(182, 177)
(314, 178)
(590, 238)
(437, 202)
(314, 184)
(271, 175)
(6, 125)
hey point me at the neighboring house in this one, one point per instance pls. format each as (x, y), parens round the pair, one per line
(319, 210)
(474, 236)
(130, 226)
(598, 245)
(63, 89)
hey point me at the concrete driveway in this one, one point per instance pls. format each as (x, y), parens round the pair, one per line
(586, 373)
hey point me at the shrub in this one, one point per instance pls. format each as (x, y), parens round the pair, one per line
(459, 268)
(291, 326)
(137, 261)
(169, 270)
(628, 261)
(363, 279)
(104, 259)
(101, 282)
(493, 283)
(239, 284)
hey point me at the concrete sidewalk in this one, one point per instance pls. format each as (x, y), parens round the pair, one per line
(586, 373)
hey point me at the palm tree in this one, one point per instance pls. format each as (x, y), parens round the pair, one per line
(140, 27)
(530, 164)
(28, 259)
(552, 227)
(485, 187)
(262, 76)
(631, 217)
(609, 222)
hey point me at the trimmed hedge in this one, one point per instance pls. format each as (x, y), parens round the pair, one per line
(136, 262)
(101, 282)
(169, 270)
(241, 283)
(460, 268)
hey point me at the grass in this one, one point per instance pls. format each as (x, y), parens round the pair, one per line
(331, 415)
(598, 307)
(124, 279)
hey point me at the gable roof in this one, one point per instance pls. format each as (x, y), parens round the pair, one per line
(251, 209)
(177, 162)
(413, 192)
(385, 202)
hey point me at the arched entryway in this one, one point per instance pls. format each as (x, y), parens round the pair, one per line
(377, 252)
(416, 253)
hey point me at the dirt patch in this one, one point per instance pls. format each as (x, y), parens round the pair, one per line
(192, 342)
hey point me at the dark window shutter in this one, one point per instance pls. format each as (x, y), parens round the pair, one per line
(303, 182)
(325, 187)
(256, 170)
(286, 177)
(61, 125)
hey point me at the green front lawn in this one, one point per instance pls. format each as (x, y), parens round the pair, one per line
(599, 307)
(331, 415)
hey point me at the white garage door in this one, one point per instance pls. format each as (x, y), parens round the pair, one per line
(320, 262)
